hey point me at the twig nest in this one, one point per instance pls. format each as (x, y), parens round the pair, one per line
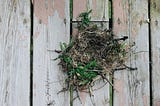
(92, 53)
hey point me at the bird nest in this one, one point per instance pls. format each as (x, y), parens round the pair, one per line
(92, 55)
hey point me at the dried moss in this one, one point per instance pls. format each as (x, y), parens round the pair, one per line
(92, 53)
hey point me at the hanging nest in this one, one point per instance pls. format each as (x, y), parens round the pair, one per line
(93, 54)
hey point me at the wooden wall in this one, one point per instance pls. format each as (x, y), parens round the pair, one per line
(99, 16)
(31, 30)
(155, 50)
(132, 86)
(15, 28)
(51, 26)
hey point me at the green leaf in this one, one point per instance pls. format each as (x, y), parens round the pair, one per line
(123, 45)
(92, 64)
(63, 46)
(67, 59)
(85, 18)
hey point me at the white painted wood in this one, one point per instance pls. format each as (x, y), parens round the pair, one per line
(132, 87)
(51, 26)
(101, 96)
(14, 52)
(155, 40)
(99, 9)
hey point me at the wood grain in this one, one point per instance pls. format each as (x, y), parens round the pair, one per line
(99, 97)
(51, 26)
(14, 52)
(155, 38)
(99, 9)
(132, 87)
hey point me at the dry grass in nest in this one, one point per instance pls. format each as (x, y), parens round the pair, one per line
(90, 56)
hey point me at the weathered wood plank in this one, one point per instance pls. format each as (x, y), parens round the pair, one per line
(132, 87)
(14, 52)
(99, 8)
(51, 26)
(100, 96)
(155, 31)
(100, 24)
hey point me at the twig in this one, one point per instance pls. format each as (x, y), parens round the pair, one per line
(130, 68)
(63, 90)
(105, 79)
(125, 67)
(123, 38)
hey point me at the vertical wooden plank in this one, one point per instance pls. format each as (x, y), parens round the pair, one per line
(99, 97)
(51, 26)
(132, 87)
(14, 52)
(100, 14)
(99, 9)
(155, 42)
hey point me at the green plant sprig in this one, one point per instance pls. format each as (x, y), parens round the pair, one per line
(82, 74)
(85, 19)
(92, 55)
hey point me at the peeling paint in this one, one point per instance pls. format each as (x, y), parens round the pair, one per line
(36, 34)
(92, 4)
(34, 87)
(74, 32)
(145, 98)
(59, 5)
(120, 16)
(137, 23)
(130, 17)
(83, 97)
(94, 7)
(79, 7)
(45, 8)
(157, 103)
(119, 88)
(99, 9)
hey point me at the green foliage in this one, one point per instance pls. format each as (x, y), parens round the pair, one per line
(84, 74)
(94, 52)
(123, 51)
(85, 18)
(71, 9)
(110, 9)
(63, 46)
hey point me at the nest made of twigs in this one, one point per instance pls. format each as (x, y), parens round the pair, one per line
(92, 54)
